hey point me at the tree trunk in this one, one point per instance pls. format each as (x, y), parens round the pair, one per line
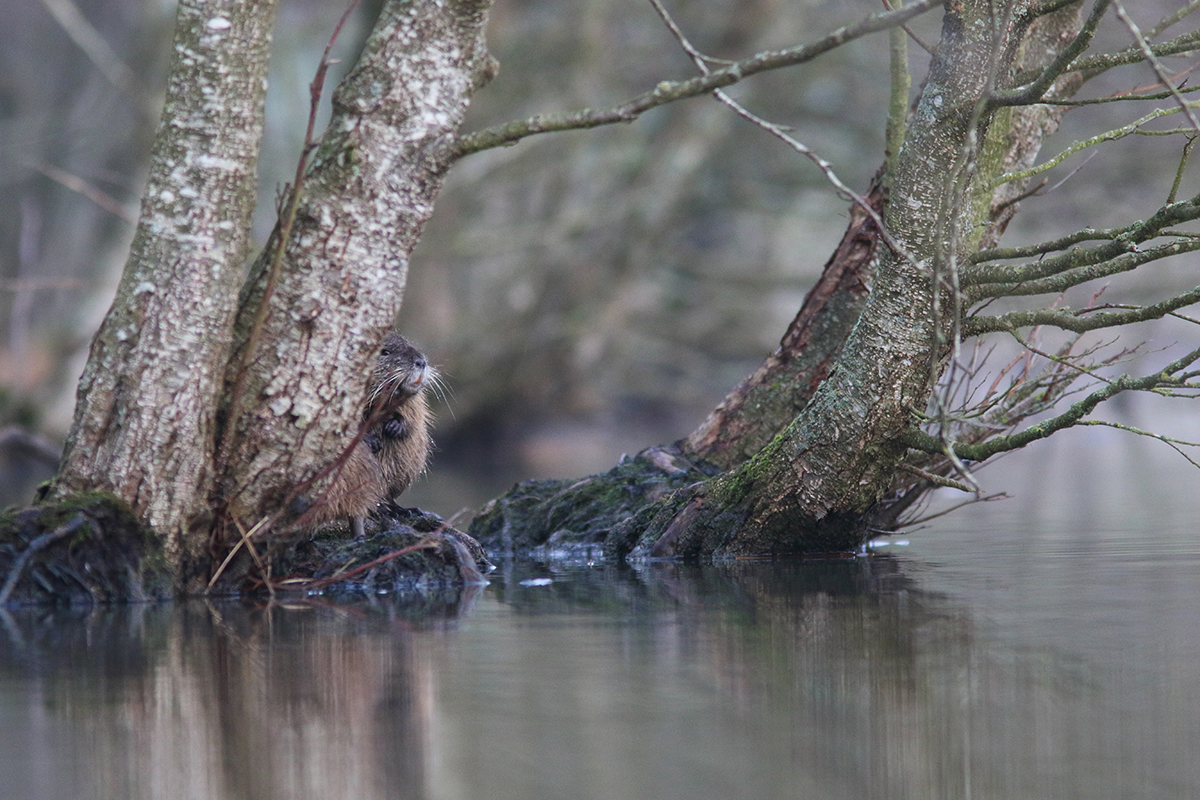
(296, 385)
(194, 395)
(146, 404)
(811, 489)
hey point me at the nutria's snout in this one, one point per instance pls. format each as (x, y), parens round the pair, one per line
(417, 375)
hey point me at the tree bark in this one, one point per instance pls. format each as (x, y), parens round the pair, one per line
(295, 387)
(146, 404)
(811, 488)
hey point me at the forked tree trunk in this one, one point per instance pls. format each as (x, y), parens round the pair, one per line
(296, 387)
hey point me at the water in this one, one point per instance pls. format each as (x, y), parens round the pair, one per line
(1045, 648)
(1062, 669)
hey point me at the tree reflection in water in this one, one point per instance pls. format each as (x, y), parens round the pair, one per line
(838, 678)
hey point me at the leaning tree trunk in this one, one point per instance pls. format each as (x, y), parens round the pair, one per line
(308, 331)
(666, 501)
(197, 400)
(811, 488)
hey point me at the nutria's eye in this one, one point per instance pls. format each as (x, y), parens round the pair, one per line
(386, 352)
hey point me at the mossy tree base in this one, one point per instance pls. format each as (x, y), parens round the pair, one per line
(89, 549)
(85, 549)
(658, 504)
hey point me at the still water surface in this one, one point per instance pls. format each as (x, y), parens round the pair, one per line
(1031, 663)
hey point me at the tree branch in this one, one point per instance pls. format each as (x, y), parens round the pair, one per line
(1107, 136)
(1155, 64)
(1042, 248)
(1077, 275)
(1078, 321)
(916, 439)
(1033, 92)
(1124, 241)
(670, 91)
(1174, 444)
(1094, 65)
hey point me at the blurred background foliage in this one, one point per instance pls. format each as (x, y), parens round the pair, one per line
(585, 294)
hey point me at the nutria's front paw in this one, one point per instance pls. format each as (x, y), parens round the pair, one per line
(396, 429)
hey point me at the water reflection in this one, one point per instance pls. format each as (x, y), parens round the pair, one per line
(216, 701)
(838, 679)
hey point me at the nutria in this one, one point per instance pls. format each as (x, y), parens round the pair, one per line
(397, 413)
(395, 442)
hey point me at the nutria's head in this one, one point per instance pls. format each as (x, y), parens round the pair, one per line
(401, 372)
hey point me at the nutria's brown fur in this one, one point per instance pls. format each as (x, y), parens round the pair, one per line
(395, 443)
(397, 413)
(356, 491)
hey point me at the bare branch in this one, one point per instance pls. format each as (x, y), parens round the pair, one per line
(1078, 321)
(901, 85)
(826, 168)
(1033, 92)
(1123, 241)
(88, 190)
(1094, 65)
(89, 40)
(1174, 444)
(1155, 64)
(670, 91)
(1042, 248)
(1183, 160)
(1171, 19)
(1129, 96)
(917, 439)
(1107, 136)
(937, 480)
(1076, 276)
(909, 523)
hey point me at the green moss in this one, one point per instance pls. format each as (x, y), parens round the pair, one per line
(85, 548)
(583, 512)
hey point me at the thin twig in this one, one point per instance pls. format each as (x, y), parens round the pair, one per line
(936, 480)
(1183, 160)
(426, 543)
(245, 539)
(1174, 444)
(1107, 136)
(670, 91)
(89, 40)
(775, 130)
(80, 186)
(956, 507)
